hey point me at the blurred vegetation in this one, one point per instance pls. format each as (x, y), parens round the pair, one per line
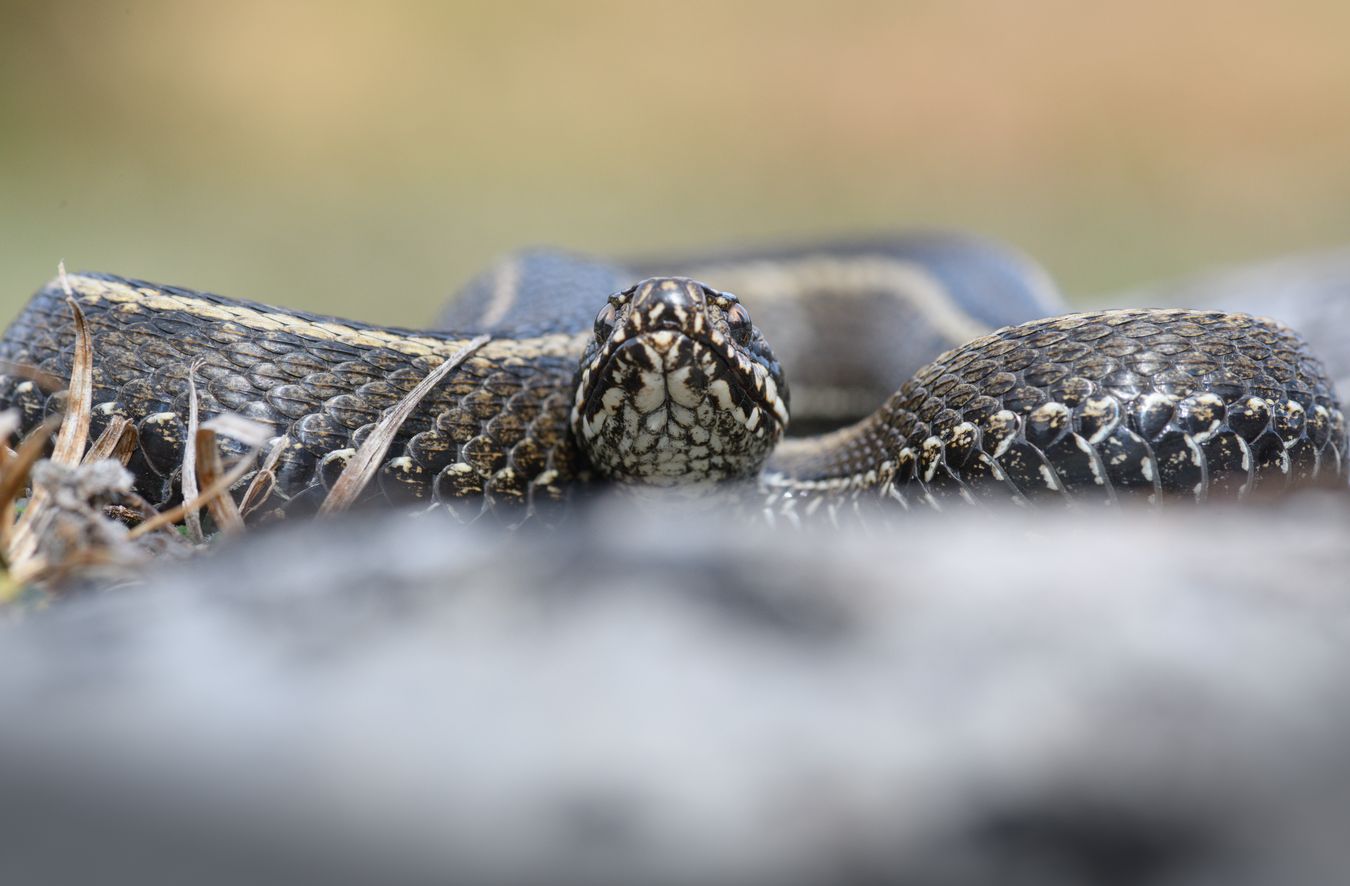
(365, 158)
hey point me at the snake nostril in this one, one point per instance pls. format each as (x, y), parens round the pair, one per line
(670, 319)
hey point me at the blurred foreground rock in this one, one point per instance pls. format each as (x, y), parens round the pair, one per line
(1023, 699)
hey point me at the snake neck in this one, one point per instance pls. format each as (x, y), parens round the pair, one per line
(851, 458)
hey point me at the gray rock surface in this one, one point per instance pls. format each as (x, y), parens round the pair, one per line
(1035, 698)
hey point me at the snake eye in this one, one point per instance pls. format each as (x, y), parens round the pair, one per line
(604, 321)
(738, 318)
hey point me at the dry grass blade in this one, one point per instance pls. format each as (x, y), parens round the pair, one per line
(237, 427)
(74, 433)
(29, 451)
(9, 426)
(193, 518)
(366, 461)
(73, 436)
(265, 480)
(118, 441)
(14, 479)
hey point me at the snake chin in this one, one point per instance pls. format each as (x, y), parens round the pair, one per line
(667, 409)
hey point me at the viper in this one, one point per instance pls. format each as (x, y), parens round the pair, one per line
(924, 370)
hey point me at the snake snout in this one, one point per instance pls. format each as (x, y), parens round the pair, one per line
(666, 409)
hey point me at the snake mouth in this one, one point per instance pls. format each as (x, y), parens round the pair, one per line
(667, 369)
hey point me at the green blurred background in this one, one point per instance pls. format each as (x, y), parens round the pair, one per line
(366, 158)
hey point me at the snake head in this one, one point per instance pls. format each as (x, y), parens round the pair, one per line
(678, 387)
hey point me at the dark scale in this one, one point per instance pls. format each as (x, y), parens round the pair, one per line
(29, 400)
(404, 481)
(1249, 417)
(333, 464)
(998, 429)
(295, 465)
(961, 443)
(1151, 415)
(1129, 461)
(1201, 415)
(1181, 464)
(1079, 469)
(1228, 459)
(984, 480)
(1028, 470)
(162, 436)
(318, 432)
(361, 434)
(1304, 461)
(1270, 460)
(1288, 420)
(932, 467)
(433, 450)
(102, 415)
(55, 405)
(1095, 416)
(1048, 424)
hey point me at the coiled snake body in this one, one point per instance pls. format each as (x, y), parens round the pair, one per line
(672, 385)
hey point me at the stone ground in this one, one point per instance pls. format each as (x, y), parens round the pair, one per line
(1054, 698)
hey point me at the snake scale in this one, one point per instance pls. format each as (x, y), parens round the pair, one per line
(669, 383)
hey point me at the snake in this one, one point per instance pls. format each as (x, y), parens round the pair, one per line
(926, 370)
